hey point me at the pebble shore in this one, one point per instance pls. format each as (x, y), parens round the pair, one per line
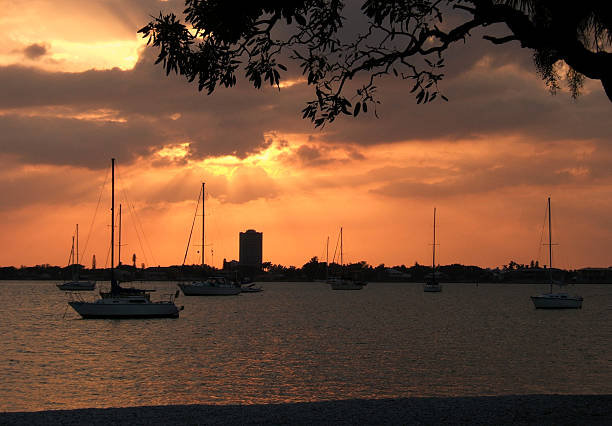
(494, 410)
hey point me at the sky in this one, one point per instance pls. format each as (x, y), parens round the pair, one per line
(78, 87)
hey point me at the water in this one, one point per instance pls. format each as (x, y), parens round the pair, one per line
(303, 342)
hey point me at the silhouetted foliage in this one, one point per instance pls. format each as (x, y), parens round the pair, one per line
(406, 38)
(315, 270)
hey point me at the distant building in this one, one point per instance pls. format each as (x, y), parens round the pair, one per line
(231, 265)
(251, 243)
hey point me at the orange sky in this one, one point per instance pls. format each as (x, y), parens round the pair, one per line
(79, 88)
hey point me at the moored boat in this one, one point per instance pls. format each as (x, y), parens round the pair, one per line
(251, 288)
(212, 286)
(122, 302)
(432, 285)
(76, 284)
(559, 300)
(344, 281)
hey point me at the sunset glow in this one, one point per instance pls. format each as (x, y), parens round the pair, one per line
(80, 91)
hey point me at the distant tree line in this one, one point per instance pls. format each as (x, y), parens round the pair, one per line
(315, 270)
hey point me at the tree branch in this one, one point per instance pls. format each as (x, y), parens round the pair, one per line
(500, 40)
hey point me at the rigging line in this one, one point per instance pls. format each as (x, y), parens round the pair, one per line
(126, 199)
(543, 236)
(217, 235)
(192, 225)
(325, 251)
(138, 228)
(541, 244)
(107, 256)
(71, 254)
(135, 219)
(562, 256)
(95, 213)
(336, 249)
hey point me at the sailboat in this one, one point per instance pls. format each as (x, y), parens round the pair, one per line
(344, 281)
(122, 302)
(211, 286)
(76, 284)
(433, 286)
(552, 300)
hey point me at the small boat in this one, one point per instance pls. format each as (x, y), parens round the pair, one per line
(250, 288)
(122, 302)
(557, 301)
(76, 284)
(212, 286)
(432, 285)
(344, 284)
(552, 300)
(344, 281)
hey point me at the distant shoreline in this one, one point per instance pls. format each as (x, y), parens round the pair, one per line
(319, 271)
(484, 410)
(46, 280)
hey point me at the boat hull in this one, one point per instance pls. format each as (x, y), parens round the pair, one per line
(344, 285)
(432, 288)
(77, 286)
(557, 301)
(208, 290)
(122, 310)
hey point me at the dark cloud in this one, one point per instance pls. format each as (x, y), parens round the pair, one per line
(560, 169)
(63, 186)
(61, 141)
(35, 51)
(493, 91)
(321, 155)
(154, 109)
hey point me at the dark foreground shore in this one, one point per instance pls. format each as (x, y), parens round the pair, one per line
(514, 409)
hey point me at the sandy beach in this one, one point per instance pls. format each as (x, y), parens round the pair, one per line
(515, 410)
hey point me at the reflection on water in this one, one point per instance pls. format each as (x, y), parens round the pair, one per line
(302, 342)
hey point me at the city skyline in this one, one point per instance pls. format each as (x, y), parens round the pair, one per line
(84, 89)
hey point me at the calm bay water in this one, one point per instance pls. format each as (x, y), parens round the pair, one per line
(302, 342)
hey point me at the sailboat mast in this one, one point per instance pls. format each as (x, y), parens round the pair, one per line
(341, 255)
(77, 243)
(112, 265)
(118, 246)
(433, 260)
(550, 246)
(327, 259)
(203, 225)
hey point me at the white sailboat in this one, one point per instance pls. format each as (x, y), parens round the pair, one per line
(250, 288)
(344, 281)
(76, 284)
(559, 300)
(122, 302)
(433, 286)
(211, 286)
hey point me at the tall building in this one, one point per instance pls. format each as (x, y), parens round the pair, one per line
(251, 243)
